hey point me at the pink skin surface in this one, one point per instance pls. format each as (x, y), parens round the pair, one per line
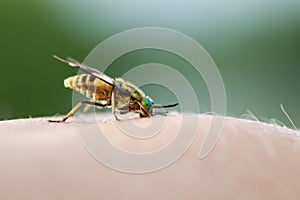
(252, 160)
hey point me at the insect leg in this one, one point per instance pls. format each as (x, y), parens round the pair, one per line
(142, 108)
(160, 113)
(86, 108)
(71, 112)
(113, 104)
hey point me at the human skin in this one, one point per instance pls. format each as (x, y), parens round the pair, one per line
(251, 160)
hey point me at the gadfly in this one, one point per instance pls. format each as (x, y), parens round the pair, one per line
(103, 91)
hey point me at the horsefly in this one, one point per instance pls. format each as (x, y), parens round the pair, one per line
(103, 91)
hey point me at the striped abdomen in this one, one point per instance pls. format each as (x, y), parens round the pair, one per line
(90, 86)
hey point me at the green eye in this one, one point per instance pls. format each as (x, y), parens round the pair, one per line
(147, 103)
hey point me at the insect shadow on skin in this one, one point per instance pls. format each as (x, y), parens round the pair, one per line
(103, 91)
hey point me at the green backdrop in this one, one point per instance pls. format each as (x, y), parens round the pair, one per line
(255, 44)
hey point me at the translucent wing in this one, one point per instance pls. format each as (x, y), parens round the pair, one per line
(73, 63)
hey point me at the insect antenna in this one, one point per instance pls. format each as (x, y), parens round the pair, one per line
(165, 106)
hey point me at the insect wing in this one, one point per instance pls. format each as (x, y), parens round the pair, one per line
(73, 63)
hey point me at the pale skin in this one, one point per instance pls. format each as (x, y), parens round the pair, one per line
(252, 160)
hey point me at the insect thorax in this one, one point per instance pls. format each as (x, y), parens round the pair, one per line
(133, 91)
(126, 96)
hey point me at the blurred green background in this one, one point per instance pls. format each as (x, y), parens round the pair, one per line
(255, 44)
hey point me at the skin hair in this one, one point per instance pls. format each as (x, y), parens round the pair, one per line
(251, 160)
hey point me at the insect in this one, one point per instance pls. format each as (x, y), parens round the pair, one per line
(103, 91)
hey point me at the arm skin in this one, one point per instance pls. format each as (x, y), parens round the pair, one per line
(252, 160)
